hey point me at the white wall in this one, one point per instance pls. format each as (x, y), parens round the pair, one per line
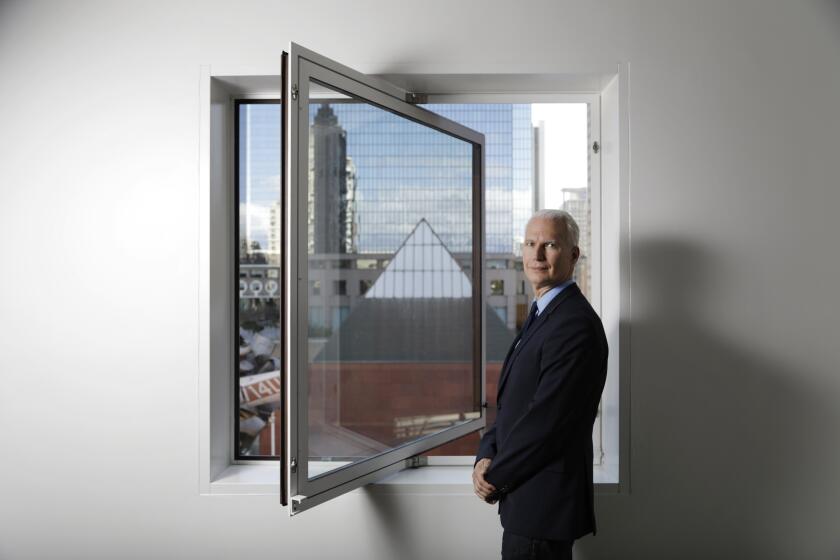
(734, 344)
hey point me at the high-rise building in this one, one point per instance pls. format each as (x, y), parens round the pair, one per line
(332, 180)
(275, 243)
(351, 227)
(577, 203)
(259, 175)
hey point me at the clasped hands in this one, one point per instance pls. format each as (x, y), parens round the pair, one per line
(483, 489)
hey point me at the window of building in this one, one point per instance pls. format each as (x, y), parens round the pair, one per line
(340, 287)
(497, 287)
(317, 323)
(501, 311)
(339, 314)
(495, 264)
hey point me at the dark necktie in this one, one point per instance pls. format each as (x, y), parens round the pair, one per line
(529, 321)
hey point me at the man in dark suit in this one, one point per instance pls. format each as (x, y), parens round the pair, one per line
(536, 460)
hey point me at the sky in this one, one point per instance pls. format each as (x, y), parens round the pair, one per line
(566, 162)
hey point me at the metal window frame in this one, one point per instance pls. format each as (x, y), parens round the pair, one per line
(305, 65)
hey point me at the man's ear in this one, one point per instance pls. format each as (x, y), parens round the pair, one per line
(575, 253)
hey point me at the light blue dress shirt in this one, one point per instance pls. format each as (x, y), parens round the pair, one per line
(546, 298)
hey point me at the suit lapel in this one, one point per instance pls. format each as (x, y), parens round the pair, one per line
(515, 348)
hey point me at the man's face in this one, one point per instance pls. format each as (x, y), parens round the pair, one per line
(548, 260)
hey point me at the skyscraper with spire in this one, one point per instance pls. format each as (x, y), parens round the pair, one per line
(332, 187)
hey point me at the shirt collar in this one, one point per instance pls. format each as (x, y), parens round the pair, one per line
(546, 298)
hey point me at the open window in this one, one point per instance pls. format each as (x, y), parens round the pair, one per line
(350, 198)
(244, 377)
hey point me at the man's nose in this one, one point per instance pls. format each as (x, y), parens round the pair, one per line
(540, 253)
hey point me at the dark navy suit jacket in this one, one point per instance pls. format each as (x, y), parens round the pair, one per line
(541, 442)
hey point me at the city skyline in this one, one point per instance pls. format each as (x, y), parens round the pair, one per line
(509, 197)
(438, 162)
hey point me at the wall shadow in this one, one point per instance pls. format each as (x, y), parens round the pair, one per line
(730, 449)
(725, 443)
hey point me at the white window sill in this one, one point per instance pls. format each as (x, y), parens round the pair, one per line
(263, 480)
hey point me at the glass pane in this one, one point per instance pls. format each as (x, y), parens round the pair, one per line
(258, 372)
(389, 243)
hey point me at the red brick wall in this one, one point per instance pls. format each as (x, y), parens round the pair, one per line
(368, 397)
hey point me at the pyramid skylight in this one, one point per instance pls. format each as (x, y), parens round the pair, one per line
(422, 268)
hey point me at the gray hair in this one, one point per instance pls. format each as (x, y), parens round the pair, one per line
(565, 223)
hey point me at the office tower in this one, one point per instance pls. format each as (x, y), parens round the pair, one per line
(332, 186)
(275, 239)
(577, 203)
(259, 176)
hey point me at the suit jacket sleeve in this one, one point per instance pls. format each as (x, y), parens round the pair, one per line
(487, 447)
(570, 383)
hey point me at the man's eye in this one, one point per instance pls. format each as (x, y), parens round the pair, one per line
(551, 244)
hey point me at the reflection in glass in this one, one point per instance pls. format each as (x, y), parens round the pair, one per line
(389, 231)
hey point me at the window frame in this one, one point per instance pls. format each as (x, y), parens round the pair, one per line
(237, 103)
(305, 67)
(219, 472)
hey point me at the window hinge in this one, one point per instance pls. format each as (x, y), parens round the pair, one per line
(415, 98)
(296, 501)
(416, 462)
(293, 465)
(294, 91)
(596, 147)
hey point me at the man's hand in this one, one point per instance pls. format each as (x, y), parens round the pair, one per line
(483, 489)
